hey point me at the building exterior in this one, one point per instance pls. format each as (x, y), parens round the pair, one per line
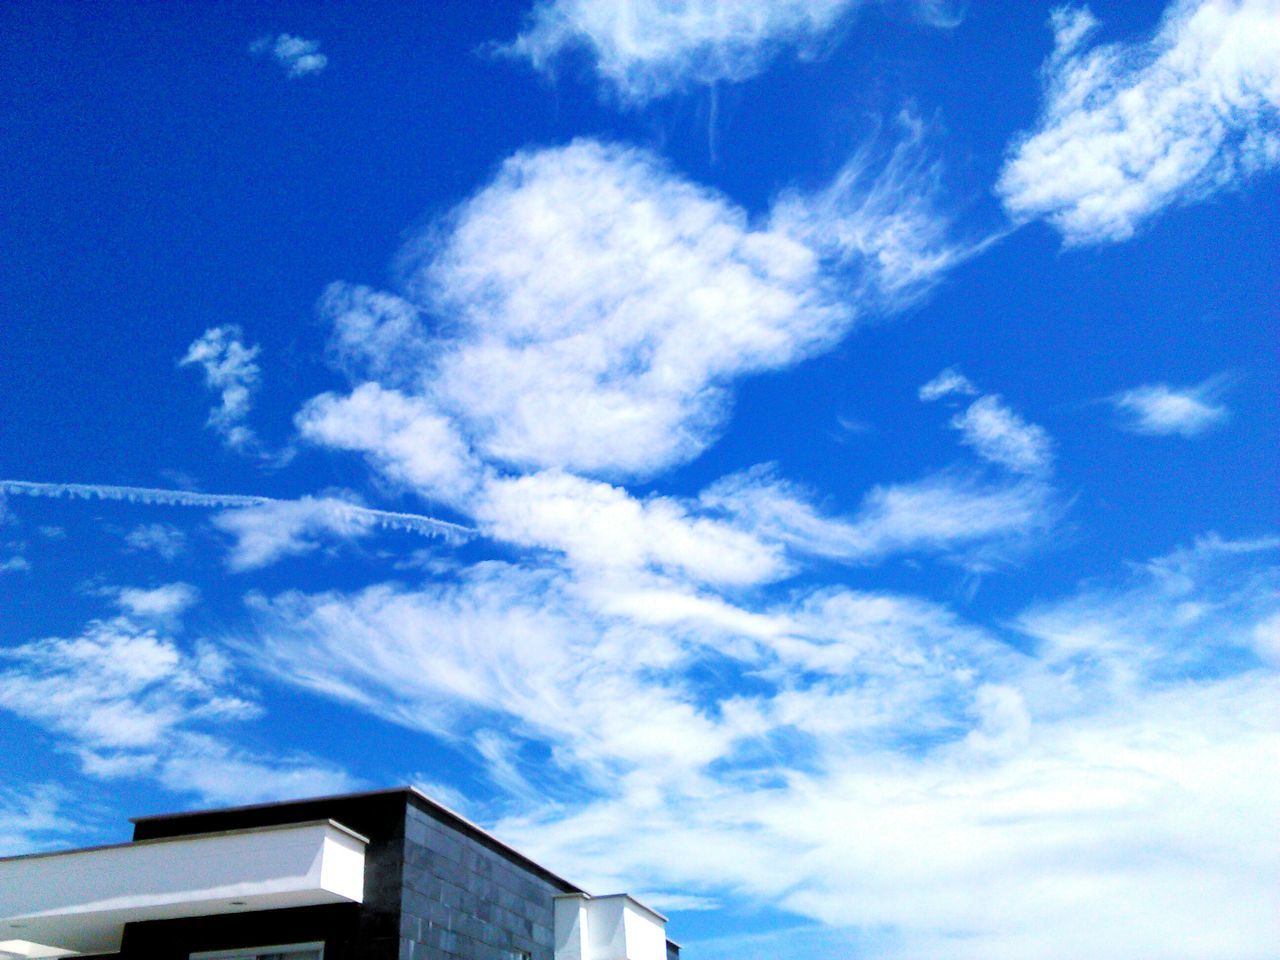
(388, 875)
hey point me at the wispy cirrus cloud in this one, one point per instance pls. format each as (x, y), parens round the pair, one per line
(15, 564)
(1000, 435)
(645, 49)
(1160, 409)
(958, 753)
(32, 815)
(298, 56)
(991, 427)
(163, 539)
(940, 514)
(1128, 129)
(265, 533)
(949, 382)
(128, 699)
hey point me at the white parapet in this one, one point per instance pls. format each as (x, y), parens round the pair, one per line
(617, 927)
(78, 901)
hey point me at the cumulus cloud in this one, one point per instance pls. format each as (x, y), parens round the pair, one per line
(600, 527)
(604, 304)
(1158, 408)
(1128, 129)
(650, 48)
(231, 369)
(598, 307)
(163, 603)
(405, 437)
(298, 57)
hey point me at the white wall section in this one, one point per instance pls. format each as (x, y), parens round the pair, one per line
(616, 927)
(78, 901)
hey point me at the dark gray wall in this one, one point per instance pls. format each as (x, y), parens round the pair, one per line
(464, 899)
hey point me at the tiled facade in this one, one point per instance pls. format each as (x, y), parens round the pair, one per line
(466, 901)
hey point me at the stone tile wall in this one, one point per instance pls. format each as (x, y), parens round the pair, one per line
(463, 900)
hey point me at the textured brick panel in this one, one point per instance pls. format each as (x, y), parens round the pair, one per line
(465, 900)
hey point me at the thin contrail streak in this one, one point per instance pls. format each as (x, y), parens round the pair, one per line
(411, 522)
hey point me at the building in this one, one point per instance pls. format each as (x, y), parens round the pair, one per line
(388, 875)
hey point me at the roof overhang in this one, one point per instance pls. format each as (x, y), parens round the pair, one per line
(78, 901)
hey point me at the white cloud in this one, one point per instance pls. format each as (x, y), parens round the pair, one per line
(988, 425)
(1196, 612)
(375, 334)
(941, 513)
(162, 603)
(602, 528)
(231, 369)
(161, 538)
(649, 48)
(298, 57)
(1130, 128)
(705, 748)
(404, 436)
(129, 701)
(250, 518)
(1266, 639)
(998, 434)
(1158, 408)
(948, 382)
(880, 217)
(15, 564)
(31, 814)
(117, 688)
(599, 308)
(604, 304)
(223, 774)
(265, 533)
(502, 642)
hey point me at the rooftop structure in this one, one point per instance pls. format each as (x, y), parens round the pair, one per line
(386, 875)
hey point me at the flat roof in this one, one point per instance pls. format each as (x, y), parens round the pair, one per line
(434, 806)
(208, 834)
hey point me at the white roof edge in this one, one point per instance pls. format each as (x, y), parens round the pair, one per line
(410, 789)
(128, 844)
(617, 896)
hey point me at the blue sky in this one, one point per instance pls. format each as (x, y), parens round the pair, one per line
(810, 464)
